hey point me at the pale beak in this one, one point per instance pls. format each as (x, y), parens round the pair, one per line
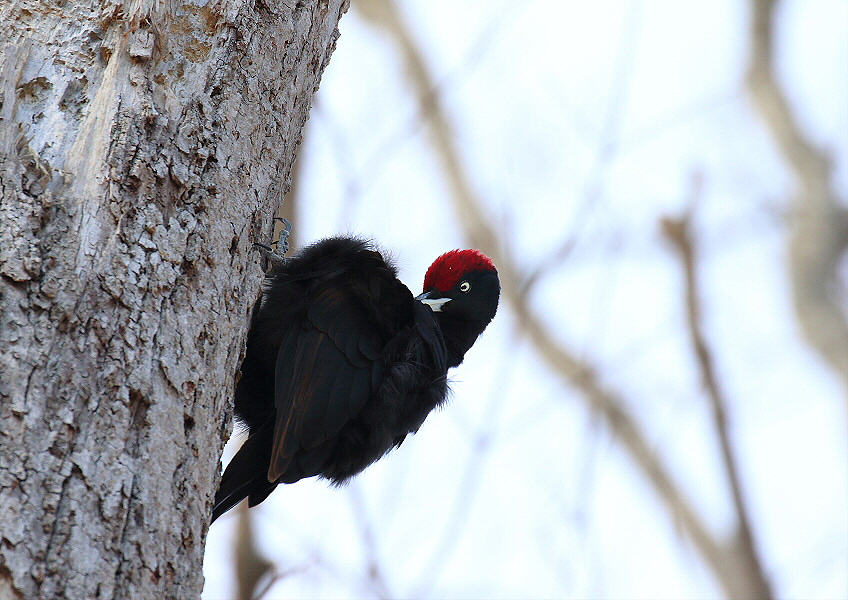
(435, 304)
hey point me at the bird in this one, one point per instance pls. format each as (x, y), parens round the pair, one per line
(342, 361)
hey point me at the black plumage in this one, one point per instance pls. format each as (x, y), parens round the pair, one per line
(342, 362)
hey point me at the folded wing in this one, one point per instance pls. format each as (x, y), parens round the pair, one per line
(325, 373)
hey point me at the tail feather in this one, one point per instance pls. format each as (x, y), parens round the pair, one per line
(246, 475)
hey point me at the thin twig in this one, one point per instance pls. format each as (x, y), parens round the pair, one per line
(678, 232)
(375, 578)
(466, 494)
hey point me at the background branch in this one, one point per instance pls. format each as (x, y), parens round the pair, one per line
(819, 223)
(678, 231)
(251, 565)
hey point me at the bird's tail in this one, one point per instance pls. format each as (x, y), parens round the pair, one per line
(247, 474)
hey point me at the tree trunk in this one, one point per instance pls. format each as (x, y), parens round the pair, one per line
(143, 147)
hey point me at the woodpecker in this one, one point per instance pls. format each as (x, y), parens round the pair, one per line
(343, 361)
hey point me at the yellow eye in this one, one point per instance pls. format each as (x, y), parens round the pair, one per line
(464, 286)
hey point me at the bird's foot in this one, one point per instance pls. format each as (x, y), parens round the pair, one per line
(282, 243)
(269, 254)
(276, 256)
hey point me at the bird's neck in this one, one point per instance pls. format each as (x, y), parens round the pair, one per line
(459, 336)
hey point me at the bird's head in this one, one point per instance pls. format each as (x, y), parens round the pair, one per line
(463, 285)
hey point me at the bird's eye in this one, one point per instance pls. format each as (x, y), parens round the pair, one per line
(464, 286)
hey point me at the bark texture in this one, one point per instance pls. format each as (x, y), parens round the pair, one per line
(144, 146)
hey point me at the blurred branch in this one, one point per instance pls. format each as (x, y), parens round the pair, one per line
(467, 493)
(251, 566)
(819, 231)
(548, 264)
(562, 360)
(375, 580)
(255, 575)
(383, 14)
(678, 232)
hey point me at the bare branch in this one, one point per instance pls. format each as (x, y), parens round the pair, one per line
(467, 493)
(819, 230)
(251, 566)
(678, 232)
(374, 577)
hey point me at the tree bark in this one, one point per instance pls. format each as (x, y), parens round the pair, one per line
(143, 147)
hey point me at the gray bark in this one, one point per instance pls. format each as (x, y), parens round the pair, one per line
(143, 147)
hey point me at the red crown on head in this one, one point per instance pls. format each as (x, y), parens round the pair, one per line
(448, 269)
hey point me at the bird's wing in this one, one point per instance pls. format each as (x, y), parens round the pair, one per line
(326, 370)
